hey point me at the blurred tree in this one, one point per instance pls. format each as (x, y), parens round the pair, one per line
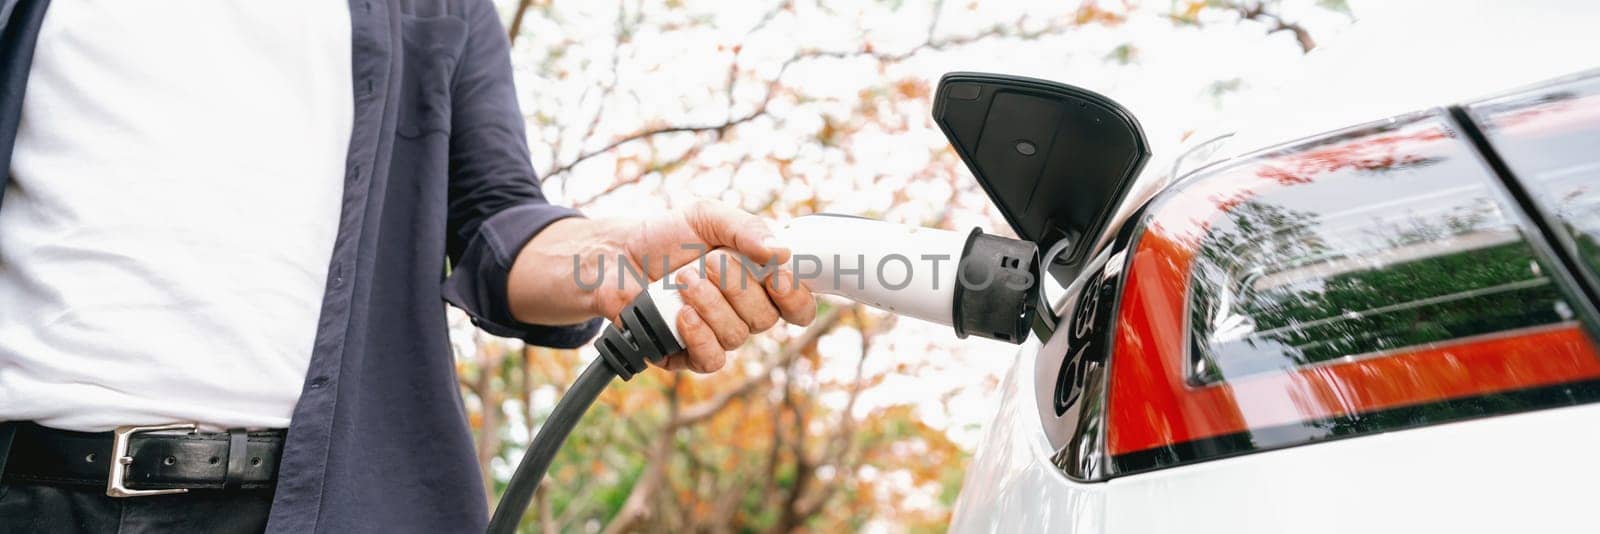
(1260, 11)
(806, 107)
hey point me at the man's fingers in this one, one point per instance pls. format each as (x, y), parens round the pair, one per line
(743, 291)
(721, 225)
(704, 353)
(793, 299)
(725, 299)
(674, 362)
(713, 309)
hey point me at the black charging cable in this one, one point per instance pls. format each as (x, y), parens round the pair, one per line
(643, 336)
(1046, 307)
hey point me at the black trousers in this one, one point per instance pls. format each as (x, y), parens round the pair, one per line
(36, 508)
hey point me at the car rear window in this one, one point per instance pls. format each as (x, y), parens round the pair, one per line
(1372, 279)
(1395, 254)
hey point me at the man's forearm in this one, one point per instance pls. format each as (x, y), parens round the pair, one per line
(543, 286)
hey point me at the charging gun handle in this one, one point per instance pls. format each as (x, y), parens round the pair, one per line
(903, 269)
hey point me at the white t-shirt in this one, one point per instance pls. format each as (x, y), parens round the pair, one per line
(175, 193)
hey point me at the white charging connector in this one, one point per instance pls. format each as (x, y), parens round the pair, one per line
(924, 273)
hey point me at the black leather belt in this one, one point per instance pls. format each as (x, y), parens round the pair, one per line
(136, 461)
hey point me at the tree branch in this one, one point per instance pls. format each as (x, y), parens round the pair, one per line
(489, 356)
(838, 448)
(804, 468)
(637, 506)
(719, 128)
(791, 350)
(516, 19)
(1018, 30)
(637, 177)
(1257, 11)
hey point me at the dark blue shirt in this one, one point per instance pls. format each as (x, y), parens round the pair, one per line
(437, 181)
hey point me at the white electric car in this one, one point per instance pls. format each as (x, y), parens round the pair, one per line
(1369, 308)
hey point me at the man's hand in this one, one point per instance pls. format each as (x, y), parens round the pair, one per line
(724, 303)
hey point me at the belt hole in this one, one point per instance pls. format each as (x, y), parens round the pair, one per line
(255, 461)
(89, 458)
(214, 460)
(169, 460)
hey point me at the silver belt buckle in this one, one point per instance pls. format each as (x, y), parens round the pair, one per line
(120, 460)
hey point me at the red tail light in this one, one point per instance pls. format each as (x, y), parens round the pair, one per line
(1374, 279)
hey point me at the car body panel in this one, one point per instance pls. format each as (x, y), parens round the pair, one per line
(1502, 474)
(1530, 472)
(1011, 486)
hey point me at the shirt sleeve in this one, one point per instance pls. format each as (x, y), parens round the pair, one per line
(496, 205)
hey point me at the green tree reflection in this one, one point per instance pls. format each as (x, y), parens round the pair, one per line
(1276, 288)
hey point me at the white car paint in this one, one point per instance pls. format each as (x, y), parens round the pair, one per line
(1519, 473)
(1501, 474)
(1532, 472)
(1011, 485)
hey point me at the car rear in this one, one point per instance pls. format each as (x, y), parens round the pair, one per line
(1387, 326)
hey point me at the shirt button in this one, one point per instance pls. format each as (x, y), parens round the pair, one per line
(319, 382)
